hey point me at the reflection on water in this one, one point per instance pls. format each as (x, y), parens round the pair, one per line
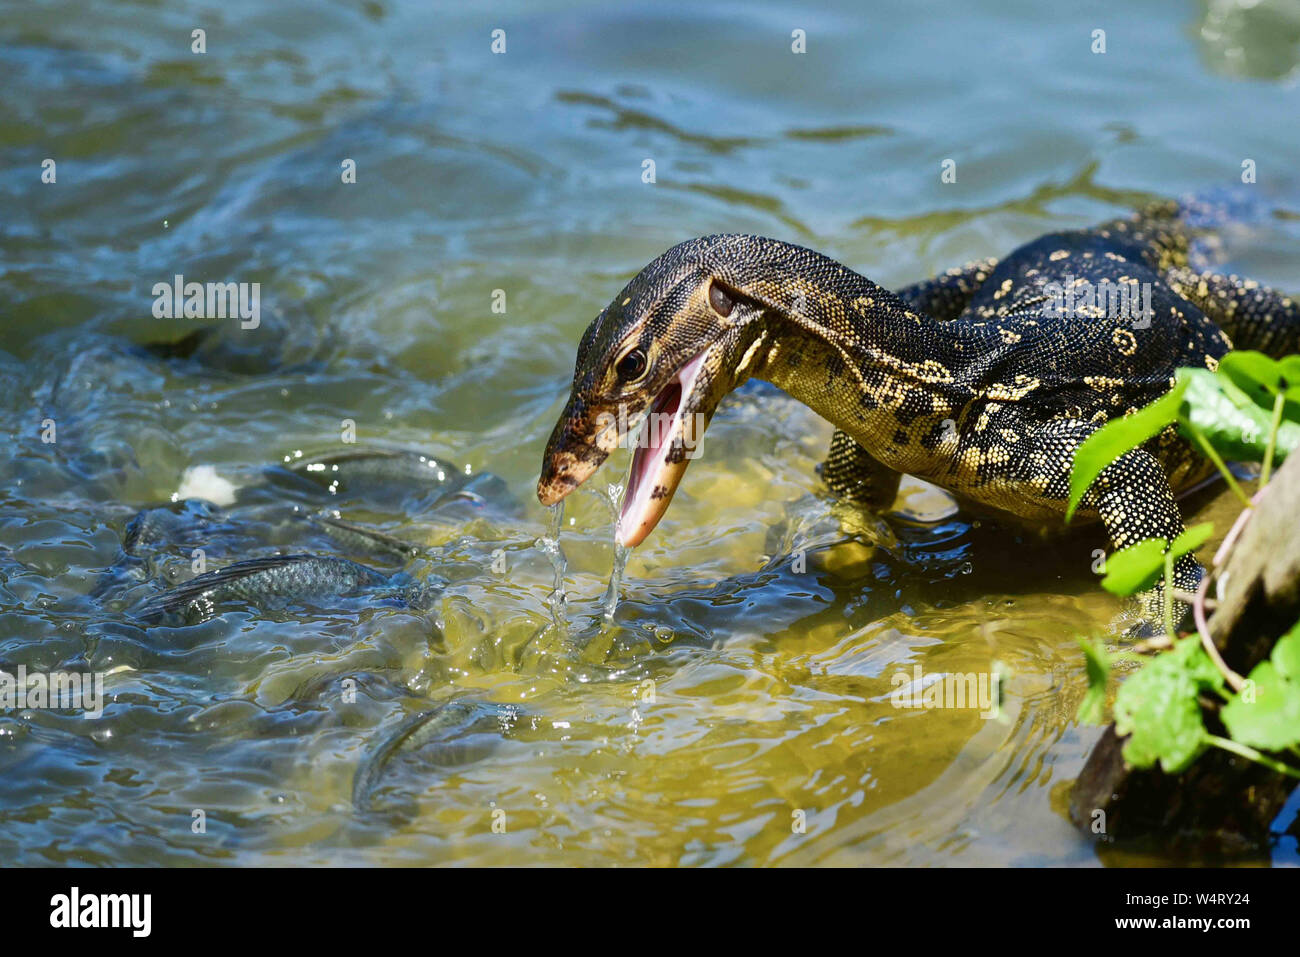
(723, 698)
(1252, 38)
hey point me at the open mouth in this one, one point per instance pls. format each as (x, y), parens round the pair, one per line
(668, 439)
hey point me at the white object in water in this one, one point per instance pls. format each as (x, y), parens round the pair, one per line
(202, 481)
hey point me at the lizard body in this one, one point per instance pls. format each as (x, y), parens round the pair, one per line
(984, 380)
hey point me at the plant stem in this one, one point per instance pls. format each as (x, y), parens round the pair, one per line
(1213, 456)
(1187, 597)
(1250, 754)
(1203, 629)
(1278, 402)
(1231, 538)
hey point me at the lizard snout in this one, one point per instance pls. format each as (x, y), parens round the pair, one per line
(572, 454)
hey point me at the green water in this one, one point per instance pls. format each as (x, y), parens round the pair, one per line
(736, 690)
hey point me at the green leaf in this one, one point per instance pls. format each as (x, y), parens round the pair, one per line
(1262, 377)
(1286, 654)
(1136, 568)
(1115, 438)
(1203, 671)
(1265, 714)
(1192, 539)
(1092, 708)
(1251, 371)
(1290, 366)
(1158, 709)
(1235, 425)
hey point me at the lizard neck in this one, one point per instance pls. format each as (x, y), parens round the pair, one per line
(890, 376)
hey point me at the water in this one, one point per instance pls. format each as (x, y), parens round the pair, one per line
(746, 671)
(614, 493)
(550, 546)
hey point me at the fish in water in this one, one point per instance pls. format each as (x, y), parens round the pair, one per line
(275, 581)
(162, 542)
(266, 515)
(358, 538)
(456, 733)
(417, 481)
(166, 524)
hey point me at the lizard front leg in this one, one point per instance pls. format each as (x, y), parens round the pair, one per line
(853, 474)
(1133, 498)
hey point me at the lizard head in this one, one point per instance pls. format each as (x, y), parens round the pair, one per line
(651, 370)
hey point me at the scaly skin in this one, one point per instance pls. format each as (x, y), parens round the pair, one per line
(970, 381)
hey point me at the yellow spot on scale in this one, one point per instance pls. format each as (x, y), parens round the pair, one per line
(931, 371)
(1016, 391)
(749, 354)
(1124, 341)
(1102, 382)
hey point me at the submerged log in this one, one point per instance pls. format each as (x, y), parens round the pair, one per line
(1222, 804)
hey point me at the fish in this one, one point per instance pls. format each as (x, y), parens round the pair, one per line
(376, 474)
(156, 527)
(266, 582)
(359, 538)
(446, 727)
(270, 514)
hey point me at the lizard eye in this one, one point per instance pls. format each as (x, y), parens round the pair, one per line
(632, 366)
(720, 300)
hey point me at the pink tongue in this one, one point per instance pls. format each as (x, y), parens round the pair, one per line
(646, 457)
(651, 472)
